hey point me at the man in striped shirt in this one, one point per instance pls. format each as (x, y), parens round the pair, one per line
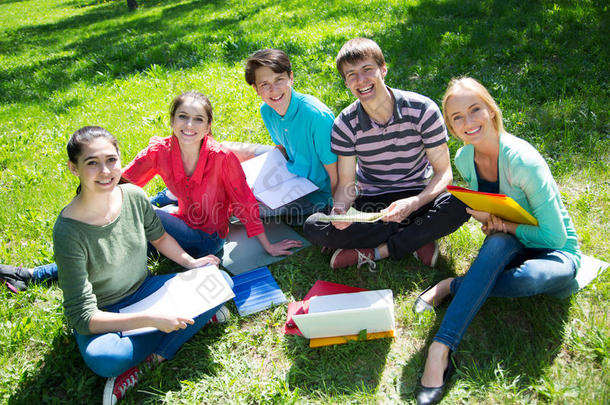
(392, 156)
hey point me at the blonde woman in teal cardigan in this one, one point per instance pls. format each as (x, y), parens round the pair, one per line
(515, 260)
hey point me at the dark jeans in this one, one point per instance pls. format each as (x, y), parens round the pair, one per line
(442, 216)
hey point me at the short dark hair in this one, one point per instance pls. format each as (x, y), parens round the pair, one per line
(195, 95)
(274, 59)
(356, 50)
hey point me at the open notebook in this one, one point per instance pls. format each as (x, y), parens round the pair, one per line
(272, 183)
(188, 294)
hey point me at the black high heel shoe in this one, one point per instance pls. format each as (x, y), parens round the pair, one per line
(433, 395)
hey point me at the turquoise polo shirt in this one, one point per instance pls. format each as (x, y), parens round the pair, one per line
(304, 131)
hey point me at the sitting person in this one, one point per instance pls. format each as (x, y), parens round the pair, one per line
(299, 125)
(516, 260)
(394, 143)
(206, 178)
(101, 253)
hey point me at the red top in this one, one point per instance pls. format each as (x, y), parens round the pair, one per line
(216, 189)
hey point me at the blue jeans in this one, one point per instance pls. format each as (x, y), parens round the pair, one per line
(44, 272)
(110, 354)
(194, 241)
(503, 268)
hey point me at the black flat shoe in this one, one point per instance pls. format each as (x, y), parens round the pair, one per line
(420, 306)
(434, 395)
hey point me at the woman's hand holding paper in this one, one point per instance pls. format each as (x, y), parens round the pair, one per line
(169, 323)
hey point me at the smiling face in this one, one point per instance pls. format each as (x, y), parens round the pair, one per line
(190, 123)
(275, 89)
(98, 166)
(365, 79)
(469, 117)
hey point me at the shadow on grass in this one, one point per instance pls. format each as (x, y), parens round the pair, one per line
(338, 370)
(524, 52)
(59, 376)
(348, 369)
(63, 377)
(130, 44)
(354, 368)
(510, 342)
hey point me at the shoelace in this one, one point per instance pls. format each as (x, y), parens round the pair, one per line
(362, 259)
(130, 381)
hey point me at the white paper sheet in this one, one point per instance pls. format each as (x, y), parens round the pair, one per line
(353, 215)
(188, 294)
(272, 183)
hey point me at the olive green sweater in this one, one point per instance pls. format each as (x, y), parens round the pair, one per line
(100, 265)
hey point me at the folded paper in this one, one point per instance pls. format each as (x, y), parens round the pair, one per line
(353, 215)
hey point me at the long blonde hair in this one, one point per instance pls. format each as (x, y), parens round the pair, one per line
(458, 83)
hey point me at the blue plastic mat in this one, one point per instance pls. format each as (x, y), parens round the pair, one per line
(255, 291)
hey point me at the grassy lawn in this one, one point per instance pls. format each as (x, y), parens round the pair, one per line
(69, 63)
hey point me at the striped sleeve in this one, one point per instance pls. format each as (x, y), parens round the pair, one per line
(431, 125)
(343, 138)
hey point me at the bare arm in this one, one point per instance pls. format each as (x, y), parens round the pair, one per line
(103, 322)
(168, 246)
(443, 176)
(331, 169)
(345, 193)
(492, 224)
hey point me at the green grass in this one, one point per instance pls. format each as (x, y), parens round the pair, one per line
(69, 63)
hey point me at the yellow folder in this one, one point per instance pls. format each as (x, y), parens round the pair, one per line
(499, 205)
(339, 340)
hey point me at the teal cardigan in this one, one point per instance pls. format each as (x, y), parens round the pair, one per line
(525, 177)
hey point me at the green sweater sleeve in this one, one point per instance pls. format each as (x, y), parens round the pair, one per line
(71, 257)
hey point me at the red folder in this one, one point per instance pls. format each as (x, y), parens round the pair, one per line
(302, 307)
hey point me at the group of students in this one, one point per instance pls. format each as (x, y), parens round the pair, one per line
(386, 151)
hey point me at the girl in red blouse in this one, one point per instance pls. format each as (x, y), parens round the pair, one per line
(206, 178)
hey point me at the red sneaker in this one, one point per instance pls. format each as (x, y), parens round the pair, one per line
(348, 257)
(427, 254)
(116, 387)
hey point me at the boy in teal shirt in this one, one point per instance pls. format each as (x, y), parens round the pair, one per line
(300, 125)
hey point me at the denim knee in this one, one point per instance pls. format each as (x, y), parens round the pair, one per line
(107, 357)
(501, 241)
